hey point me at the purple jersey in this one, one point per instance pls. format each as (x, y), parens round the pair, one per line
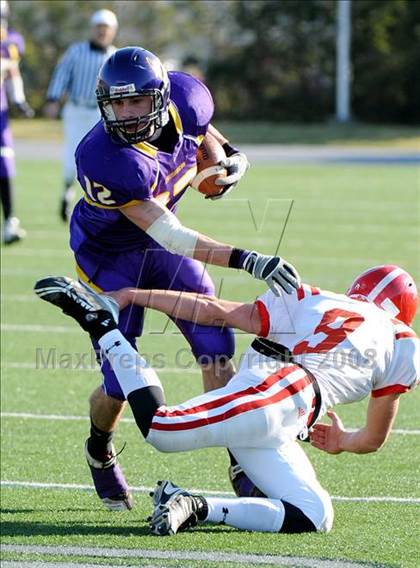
(12, 47)
(115, 175)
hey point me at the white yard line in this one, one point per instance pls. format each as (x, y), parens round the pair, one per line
(47, 564)
(82, 487)
(70, 417)
(171, 555)
(143, 489)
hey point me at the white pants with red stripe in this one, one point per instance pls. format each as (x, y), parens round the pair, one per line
(259, 407)
(257, 415)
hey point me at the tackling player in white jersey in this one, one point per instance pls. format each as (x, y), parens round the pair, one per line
(315, 349)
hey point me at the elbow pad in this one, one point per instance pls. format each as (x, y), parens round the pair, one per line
(168, 231)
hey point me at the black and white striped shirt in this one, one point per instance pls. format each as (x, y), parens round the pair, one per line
(76, 73)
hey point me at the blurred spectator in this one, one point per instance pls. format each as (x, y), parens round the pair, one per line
(74, 79)
(12, 47)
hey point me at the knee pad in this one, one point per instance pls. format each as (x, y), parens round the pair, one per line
(318, 515)
(295, 521)
(144, 402)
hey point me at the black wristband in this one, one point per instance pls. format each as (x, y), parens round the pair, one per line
(229, 150)
(237, 258)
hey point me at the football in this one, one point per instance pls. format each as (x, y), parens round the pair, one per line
(209, 155)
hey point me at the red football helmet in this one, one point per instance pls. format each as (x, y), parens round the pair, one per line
(389, 287)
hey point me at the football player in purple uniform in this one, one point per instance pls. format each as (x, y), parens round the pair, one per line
(134, 166)
(12, 47)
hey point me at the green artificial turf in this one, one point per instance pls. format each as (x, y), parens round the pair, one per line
(342, 220)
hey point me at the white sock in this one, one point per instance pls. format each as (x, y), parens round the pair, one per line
(131, 370)
(247, 513)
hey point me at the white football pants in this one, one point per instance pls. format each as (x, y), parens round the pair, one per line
(257, 415)
(77, 121)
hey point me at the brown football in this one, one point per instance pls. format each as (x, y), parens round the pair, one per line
(209, 155)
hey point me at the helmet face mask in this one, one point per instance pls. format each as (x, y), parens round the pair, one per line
(133, 72)
(390, 288)
(137, 129)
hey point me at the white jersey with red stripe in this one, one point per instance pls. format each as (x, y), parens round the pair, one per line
(352, 347)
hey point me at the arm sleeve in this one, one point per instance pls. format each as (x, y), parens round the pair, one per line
(403, 373)
(62, 75)
(276, 313)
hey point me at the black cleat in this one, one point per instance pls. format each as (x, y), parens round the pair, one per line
(164, 491)
(95, 313)
(175, 509)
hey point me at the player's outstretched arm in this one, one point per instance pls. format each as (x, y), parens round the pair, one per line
(334, 439)
(166, 229)
(198, 308)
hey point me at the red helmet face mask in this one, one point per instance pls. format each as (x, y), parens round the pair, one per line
(389, 287)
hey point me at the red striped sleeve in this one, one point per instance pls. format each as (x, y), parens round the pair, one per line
(265, 319)
(306, 290)
(300, 293)
(392, 389)
(404, 334)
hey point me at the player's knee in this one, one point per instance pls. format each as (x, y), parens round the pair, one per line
(99, 399)
(327, 512)
(160, 442)
(295, 520)
(315, 515)
(217, 345)
(144, 402)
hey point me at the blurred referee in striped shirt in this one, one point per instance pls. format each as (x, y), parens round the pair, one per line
(74, 79)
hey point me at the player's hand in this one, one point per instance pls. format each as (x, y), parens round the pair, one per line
(26, 110)
(236, 166)
(277, 273)
(327, 437)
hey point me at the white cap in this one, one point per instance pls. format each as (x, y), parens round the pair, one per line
(104, 17)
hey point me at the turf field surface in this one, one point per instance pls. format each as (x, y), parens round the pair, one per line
(352, 134)
(341, 219)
